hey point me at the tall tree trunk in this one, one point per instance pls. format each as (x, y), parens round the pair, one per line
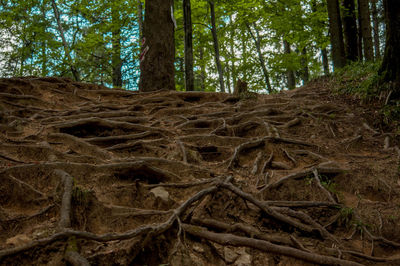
(366, 30)
(216, 47)
(232, 51)
(257, 41)
(336, 34)
(244, 54)
(359, 34)
(291, 79)
(305, 75)
(140, 21)
(325, 61)
(187, 21)
(157, 70)
(390, 68)
(228, 78)
(74, 72)
(116, 62)
(202, 69)
(350, 30)
(44, 71)
(375, 21)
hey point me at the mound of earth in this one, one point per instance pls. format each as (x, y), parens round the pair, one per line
(96, 176)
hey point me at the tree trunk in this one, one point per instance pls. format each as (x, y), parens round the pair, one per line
(140, 21)
(390, 68)
(375, 21)
(350, 30)
(257, 42)
(304, 62)
(244, 55)
(336, 34)
(75, 73)
(359, 34)
(366, 29)
(232, 50)
(187, 21)
(116, 62)
(202, 69)
(216, 47)
(325, 61)
(291, 79)
(157, 68)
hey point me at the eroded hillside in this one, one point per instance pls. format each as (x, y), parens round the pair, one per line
(100, 176)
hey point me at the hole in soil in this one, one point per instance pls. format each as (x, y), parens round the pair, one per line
(202, 124)
(89, 130)
(143, 173)
(232, 100)
(211, 153)
(191, 99)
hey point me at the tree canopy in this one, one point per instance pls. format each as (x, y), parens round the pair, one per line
(271, 45)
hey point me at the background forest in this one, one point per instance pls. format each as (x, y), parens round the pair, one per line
(269, 44)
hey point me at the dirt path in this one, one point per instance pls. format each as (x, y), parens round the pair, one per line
(97, 176)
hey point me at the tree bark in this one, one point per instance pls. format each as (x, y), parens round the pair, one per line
(350, 30)
(390, 68)
(187, 21)
(336, 34)
(116, 62)
(375, 21)
(216, 47)
(140, 21)
(257, 41)
(366, 30)
(291, 79)
(202, 69)
(232, 50)
(325, 61)
(157, 68)
(305, 75)
(75, 73)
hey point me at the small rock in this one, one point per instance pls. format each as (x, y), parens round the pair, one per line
(244, 259)
(198, 248)
(52, 158)
(230, 255)
(160, 192)
(18, 240)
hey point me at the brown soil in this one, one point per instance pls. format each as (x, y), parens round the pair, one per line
(99, 176)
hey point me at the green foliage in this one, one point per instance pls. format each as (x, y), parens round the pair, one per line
(32, 45)
(358, 78)
(346, 216)
(81, 197)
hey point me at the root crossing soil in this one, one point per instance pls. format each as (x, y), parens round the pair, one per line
(93, 176)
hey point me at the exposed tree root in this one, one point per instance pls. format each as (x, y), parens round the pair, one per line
(75, 259)
(65, 212)
(138, 160)
(229, 239)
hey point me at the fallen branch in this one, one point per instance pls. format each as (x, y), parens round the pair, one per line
(233, 240)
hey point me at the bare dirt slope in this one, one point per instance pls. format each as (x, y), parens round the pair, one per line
(111, 177)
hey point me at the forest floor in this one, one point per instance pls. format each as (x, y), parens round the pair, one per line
(113, 177)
